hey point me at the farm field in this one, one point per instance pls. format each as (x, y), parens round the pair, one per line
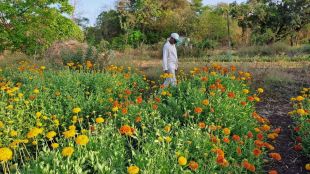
(219, 119)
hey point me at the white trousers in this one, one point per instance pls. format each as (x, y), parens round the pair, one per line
(172, 80)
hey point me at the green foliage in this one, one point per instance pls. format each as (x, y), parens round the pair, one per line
(32, 26)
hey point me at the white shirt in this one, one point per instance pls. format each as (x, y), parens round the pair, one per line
(170, 57)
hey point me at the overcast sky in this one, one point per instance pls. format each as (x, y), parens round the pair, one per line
(92, 8)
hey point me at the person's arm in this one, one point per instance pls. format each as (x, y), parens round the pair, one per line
(165, 59)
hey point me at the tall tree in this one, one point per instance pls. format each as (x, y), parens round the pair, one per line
(31, 26)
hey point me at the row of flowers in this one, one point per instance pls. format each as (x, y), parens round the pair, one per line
(301, 117)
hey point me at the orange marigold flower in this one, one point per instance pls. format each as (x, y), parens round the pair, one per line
(193, 165)
(202, 125)
(138, 119)
(250, 134)
(124, 111)
(275, 156)
(260, 136)
(277, 130)
(269, 146)
(139, 100)
(265, 127)
(231, 95)
(257, 152)
(226, 131)
(259, 143)
(251, 98)
(126, 130)
(226, 140)
(198, 110)
(236, 137)
(273, 172)
(238, 150)
(155, 107)
(243, 103)
(248, 166)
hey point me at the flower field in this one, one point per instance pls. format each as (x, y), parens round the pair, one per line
(117, 121)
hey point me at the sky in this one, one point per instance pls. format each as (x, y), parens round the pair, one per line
(92, 8)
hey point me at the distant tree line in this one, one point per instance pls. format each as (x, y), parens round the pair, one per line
(255, 22)
(32, 26)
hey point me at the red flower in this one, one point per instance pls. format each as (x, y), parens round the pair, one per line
(250, 134)
(236, 137)
(275, 156)
(299, 139)
(231, 95)
(260, 136)
(298, 147)
(198, 110)
(257, 152)
(139, 100)
(238, 150)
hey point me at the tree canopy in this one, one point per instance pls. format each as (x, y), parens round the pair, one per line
(32, 25)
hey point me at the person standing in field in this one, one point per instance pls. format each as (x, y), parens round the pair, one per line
(170, 59)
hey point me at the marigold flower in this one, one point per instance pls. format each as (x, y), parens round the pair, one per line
(138, 119)
(69, 133)
(248, 166)
(1, 124)
(260, 90)
(139, 100)
(67, 151)
(126, 130)
(298, 147)
(273, 172)
(82, 140)
(307, 167)
(99, 120)
(6, 154)
(34, 132)
(236, 137)
(198, 110)
(36, 91)
(231, 95)
(250, 134)
(246, 91)
(260, 136)
(202, 125)
(257, 152)
(50, 135)
(265, 127)
(13, 133)
(275, 156)
(205, 102)
(193, 165)
(226, 140)
(133, 169)
(55, 145)
(238, 150)
(301, 112)
(300, 98)
(226, 131)
(182, 161)
(76, 110)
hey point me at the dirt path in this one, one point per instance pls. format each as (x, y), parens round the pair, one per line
(275, 107)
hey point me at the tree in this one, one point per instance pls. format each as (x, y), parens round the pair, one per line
(32, 26)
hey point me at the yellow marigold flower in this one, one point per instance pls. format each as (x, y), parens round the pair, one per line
(300, 98)
(36, 91)
(50, 135)
(82, 140)
(182, 161)
(212, 93)
(72, 127)
(69, 133)
(205, 102)
(256, 129)
(257, 99)
(167, 128)
(38, 114)
(133, 169)
(226, 131)
(56, 122)
(6, 154)
(34, 143)
(260, 90)
(265, 127)
(67, 151)
(10, 107)
(301, 111)
(293, 99)
(246, 91)
(168, 139)
(55, 145)
(76, 110)
(212, 73)
(115, 109)
(34, 132)
(307, 167)
(13, 133)
(232, 77)
(99, 120)
(1, 124)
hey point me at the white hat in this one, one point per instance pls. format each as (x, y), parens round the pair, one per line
(175, 36)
